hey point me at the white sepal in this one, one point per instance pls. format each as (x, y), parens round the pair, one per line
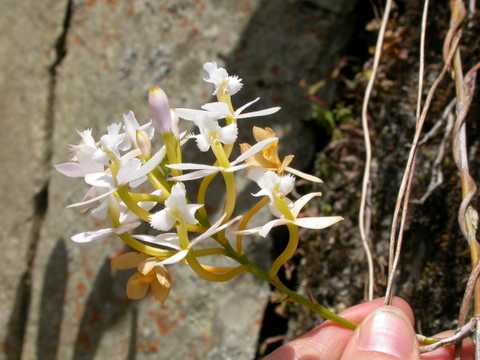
(92, 200)
(303, 175)
(300, 203)
(317, 223)
(264, 112)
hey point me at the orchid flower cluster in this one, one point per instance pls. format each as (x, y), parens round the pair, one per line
(130, 184)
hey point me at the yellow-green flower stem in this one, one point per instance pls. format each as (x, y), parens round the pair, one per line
(292, 295)
(174, 154)
(246, 219)
(225, 274)
(158, 184)
(157, 180)
(146, 197)
(224, 96)
(282, 206)
(132, 205)
(229, 179)
(202, 195)
(114, 215)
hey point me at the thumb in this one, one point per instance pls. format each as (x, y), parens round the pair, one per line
(386, 334)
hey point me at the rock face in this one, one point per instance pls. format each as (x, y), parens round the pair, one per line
(25, 56)
(81, 64)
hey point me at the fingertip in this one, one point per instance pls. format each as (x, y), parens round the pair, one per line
(385, 334)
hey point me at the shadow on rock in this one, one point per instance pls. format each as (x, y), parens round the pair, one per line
(106, 305)
(52, 302)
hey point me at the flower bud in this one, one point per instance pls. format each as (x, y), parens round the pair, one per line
(144, 144)
(160, 110)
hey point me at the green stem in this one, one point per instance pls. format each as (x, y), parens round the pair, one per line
(295, 297)
(132, 205)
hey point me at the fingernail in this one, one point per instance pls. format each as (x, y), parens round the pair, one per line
(387, 331)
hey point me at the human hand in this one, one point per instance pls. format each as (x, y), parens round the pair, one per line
(385, 333)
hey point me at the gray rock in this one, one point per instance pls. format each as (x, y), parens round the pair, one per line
(26, 51)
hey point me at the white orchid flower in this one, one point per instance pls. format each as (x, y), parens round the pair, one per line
(131, 172)
(127, 219)
(219, 77)
(170, 240)
(314, 223)
(219, 110)
(132, 126)
(114, 140)
(176, 210)
(202, 170)
(210, 130)
(99, 234)
(87, 157)
(273, 185)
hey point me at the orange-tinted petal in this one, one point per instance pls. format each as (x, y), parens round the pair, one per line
(137, 286)
(262, 133)
(127, 260)
(147, 265)
(161, 287)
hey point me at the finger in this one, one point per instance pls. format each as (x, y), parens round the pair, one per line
(448, 353)
(328, 340)
(386, 334)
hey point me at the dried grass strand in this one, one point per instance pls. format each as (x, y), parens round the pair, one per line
(363, 212)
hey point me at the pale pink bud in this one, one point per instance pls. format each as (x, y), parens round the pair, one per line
(160, 110)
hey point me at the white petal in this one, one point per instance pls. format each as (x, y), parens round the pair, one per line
(148, 128)
(219, 108)
(263, 112)
(263, 192)
(243, 107)
(190, 114)
(70, 169)
(253, 150)
(192, 166)
(88, 236)
(127, 227)
(145, 169)
(189, 213)
(265, 229)
(234, 84)
(132, 154)
(303, 175)
(102, 180)
(179, 256)
(203, 142)
(161, 220)
(193, 175)
(162, 239)
(136, 183)
(178, 193)
(251, 231)
(92, 200)
(229, 134)
(287, 183)
(166, 237)
(300, 203)
(215, 228)
(235, 168)
(131, 125)
(317, 223)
